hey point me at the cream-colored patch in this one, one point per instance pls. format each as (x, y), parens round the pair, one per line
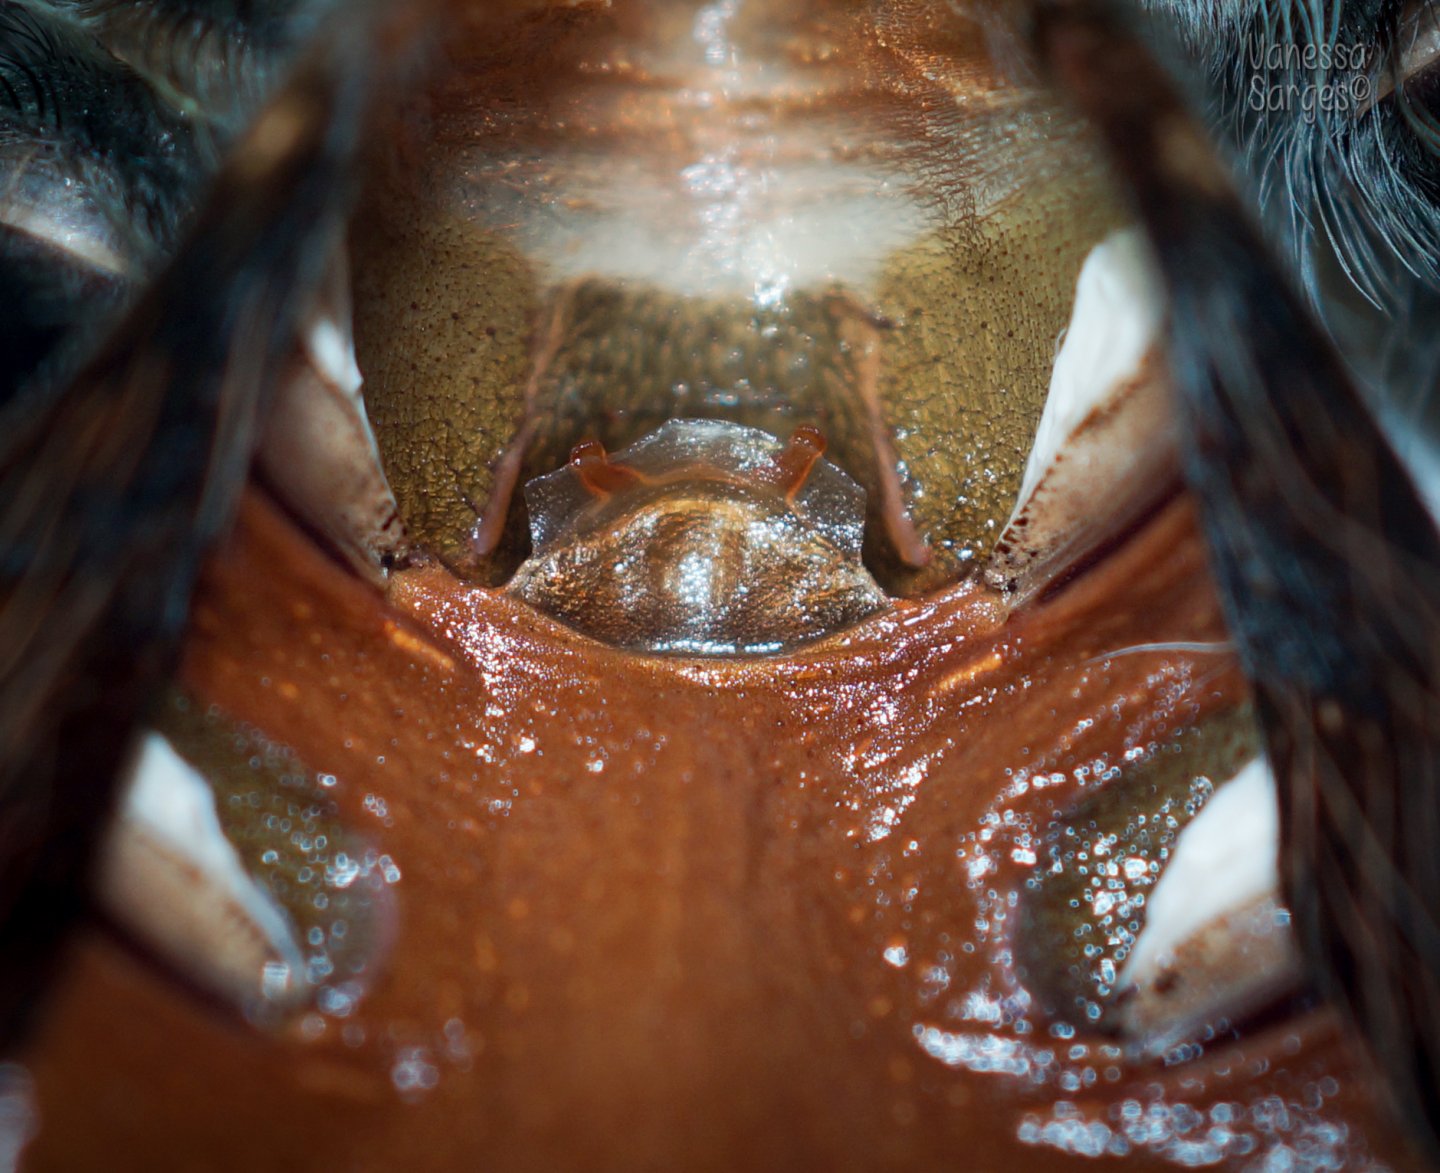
(62, 226)
(1217, 941)
(757, 218)
(712, 194)
(170, 876)
(1105, 446)
(318, 449)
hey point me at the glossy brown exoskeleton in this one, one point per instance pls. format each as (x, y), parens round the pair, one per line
(752, 697)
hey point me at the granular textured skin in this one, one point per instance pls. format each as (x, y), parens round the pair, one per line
(679, 958)
(441, 321)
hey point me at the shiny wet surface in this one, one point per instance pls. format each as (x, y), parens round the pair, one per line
(670, 913)
(605, 217)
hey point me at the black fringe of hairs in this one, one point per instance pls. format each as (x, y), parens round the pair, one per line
(1327, 560)
(114, 115)
(1342, 158)
(112, 489)
(1329, 565)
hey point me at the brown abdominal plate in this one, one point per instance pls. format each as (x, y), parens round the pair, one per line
(597, 229)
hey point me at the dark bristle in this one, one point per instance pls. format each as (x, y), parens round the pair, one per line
(112, 489)
(218, 58)
(1327, 560)
(74, 108)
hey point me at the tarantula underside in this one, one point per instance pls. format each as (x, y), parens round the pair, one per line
(663, 583)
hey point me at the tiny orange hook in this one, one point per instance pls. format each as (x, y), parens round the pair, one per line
(789, 469)
(598, 473)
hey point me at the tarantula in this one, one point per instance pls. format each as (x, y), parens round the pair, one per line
(639, 582)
